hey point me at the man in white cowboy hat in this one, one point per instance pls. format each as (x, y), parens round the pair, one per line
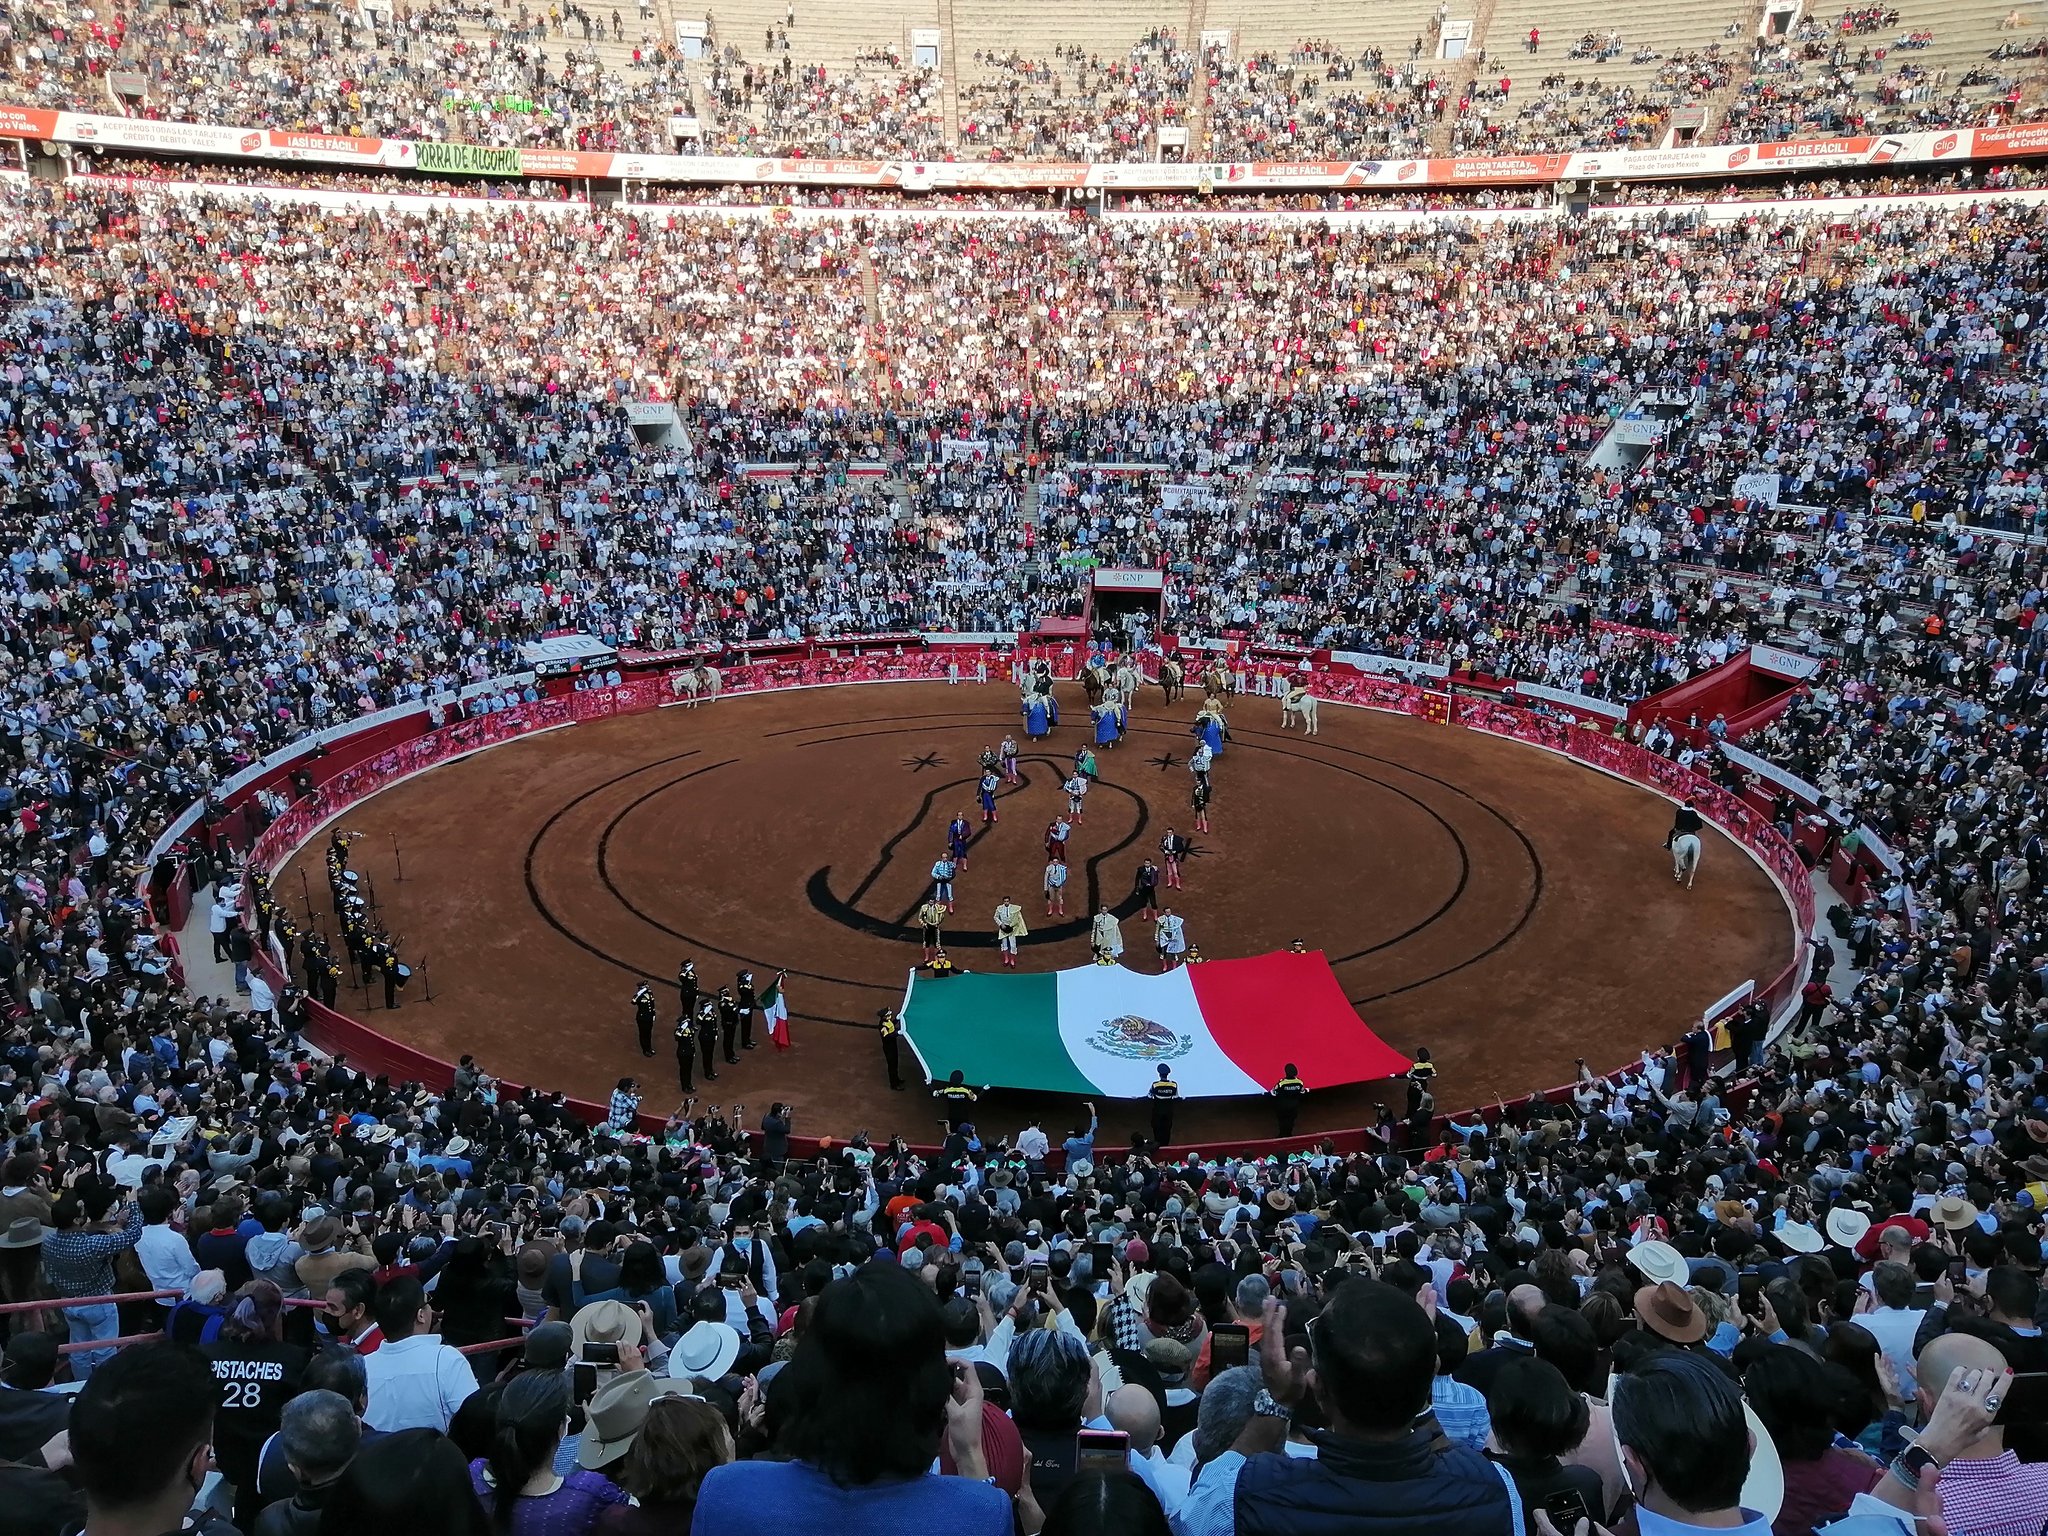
(705, 1353)
(1659, 1263)
(1800, 1237)
(1846, 1226)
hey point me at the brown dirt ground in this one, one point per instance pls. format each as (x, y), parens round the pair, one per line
(1508, 908)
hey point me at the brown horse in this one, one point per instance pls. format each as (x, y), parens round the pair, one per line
(1216, 679)
(1172, 680)
(1093, 683)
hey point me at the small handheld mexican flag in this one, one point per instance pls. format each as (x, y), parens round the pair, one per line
(775, 1009)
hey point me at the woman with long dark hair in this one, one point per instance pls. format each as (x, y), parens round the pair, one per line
(682, 1439)
(643, 1279)
(475, 1293)
(1797, 1395)
(413, 1480)
(861, 1410)
(517, 1482)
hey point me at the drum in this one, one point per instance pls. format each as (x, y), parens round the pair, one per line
(404, 974)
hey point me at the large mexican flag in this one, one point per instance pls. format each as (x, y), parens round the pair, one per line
(1224, 1027)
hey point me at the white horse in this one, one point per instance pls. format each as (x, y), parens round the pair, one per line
(1299, 702)
(696, 682)
(1128, 680)
(1685, 857)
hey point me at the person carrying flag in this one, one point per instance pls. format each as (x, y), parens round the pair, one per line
(775, 1010)
(1287, 1095)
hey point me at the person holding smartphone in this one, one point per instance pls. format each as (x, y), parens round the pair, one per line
(1537, 1418)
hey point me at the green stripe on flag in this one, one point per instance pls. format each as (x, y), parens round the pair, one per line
(993, 1029)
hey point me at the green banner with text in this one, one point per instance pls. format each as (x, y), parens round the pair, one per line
(468, 160)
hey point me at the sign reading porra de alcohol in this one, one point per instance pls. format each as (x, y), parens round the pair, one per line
(468, 160)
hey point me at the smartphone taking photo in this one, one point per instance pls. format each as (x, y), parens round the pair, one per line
(1566, 1508)
(1106, 1451)
(1230, 1345)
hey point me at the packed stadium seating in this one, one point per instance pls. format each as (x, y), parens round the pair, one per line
(283, 446)
(1297, 79)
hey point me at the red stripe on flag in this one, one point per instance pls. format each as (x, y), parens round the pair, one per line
(1269, 1010)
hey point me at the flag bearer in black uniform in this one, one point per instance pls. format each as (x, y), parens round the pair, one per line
(748, 1001)
(1164, 1095)
(891, 1029)
(1287, 1096)
(958, 1098)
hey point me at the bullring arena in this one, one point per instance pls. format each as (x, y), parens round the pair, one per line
(1461, 884)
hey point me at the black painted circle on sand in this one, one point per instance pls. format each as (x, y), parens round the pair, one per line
(1248, 739)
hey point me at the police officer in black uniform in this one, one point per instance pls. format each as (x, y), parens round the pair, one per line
(891, 1028)
(707, 1037)
(686, 1051)
(957, 1097)
(1287, 1096)
(382, 957)
(643, 1017)
(729, 1025)
(686, 983)
(1164, 1095)
(748, 1002)
(323, 972)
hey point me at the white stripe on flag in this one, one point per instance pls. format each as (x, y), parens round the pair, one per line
(1094, 998)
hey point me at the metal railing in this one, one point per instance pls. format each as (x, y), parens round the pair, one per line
(121, 1341)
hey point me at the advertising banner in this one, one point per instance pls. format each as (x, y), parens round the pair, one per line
(1919, 146)
(469, 160)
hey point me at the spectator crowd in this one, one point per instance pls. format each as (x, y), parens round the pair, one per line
(264, 468)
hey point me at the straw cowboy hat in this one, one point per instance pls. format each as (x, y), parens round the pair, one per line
(615, 1416)
(605, 1322)
(1955, 1213)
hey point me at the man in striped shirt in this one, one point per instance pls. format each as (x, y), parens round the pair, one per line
(1984, 1489)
